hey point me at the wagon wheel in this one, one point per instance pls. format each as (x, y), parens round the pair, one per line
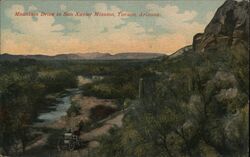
(60, 145)
(78, 143)
(71, 146)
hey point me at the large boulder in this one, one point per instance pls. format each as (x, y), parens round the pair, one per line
(229, 27)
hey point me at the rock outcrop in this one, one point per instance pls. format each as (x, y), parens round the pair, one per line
(229, 27)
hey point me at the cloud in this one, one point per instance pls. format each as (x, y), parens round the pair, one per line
(63, 7)
(102, 34)
(33, 35)
(175, 21)
(32, 8)
(25, 24)
(92, 27)
(150, 30)
(181, 26)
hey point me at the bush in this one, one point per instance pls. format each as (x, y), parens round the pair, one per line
(74, 110)
(100, 112)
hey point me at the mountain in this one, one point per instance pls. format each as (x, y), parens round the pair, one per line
(6, 56)
(85, 56)
(228, 28)
(82, 56)
(225, 40)
(197, 103)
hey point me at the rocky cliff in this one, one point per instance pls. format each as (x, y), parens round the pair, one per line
(228, 28)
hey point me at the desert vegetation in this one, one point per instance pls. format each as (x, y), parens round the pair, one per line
(25, 86)
(197, 109)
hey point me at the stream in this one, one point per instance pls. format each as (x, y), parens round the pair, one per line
(59, 110)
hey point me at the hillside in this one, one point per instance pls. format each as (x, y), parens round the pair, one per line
(198, 104)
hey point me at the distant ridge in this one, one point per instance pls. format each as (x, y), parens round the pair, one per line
(84, 56)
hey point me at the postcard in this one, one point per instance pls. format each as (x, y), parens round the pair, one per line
(124, 78)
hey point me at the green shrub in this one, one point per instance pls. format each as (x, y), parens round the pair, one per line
(74, 110)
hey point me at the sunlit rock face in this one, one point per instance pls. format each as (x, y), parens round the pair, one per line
(228, 28)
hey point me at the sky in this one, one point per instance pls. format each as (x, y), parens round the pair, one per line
(174, 27)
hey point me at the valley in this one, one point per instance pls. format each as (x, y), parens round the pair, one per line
(79, 99)
(193, 103)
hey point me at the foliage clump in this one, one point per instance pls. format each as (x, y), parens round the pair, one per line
(199, 107)
(73, 110)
